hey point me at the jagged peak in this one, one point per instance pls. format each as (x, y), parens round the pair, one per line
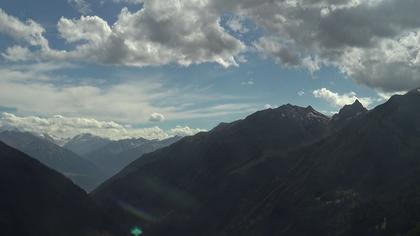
(350, 111)
(357, 103)
(290, 111)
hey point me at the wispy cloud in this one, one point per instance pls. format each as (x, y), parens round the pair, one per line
(82, 6)
(129, 101)
(301, 93)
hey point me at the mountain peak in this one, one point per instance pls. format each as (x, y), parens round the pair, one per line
(357, 103)
(351, 111)
(290, 111)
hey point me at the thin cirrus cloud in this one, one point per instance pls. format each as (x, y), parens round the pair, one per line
(134, 101)
(82, 6)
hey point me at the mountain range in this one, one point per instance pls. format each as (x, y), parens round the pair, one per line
(86, 159)
(83, 144)
(115, 155)
(83, 172)
(284, 171)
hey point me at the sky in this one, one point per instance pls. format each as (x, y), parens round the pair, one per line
(154, 69)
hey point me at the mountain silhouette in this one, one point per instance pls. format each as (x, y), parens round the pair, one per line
(284, 171)
(36, 200)
(185, 188)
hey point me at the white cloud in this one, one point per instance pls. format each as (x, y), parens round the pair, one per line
(65, 127)
(17, 53)
(301, 93)
(156, 117)
(339, 100)
(184, 131)
(29, 32)
(162, 32)
(93, 29)
(375, 42)
(383, 96)
(268, 106)
(82, 6)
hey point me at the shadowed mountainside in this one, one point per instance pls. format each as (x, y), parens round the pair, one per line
(36, 200)
(286, 171)
(190, 181)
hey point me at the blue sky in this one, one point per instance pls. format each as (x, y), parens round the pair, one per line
(158, 69)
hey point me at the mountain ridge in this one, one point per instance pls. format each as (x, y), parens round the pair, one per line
(257, 177)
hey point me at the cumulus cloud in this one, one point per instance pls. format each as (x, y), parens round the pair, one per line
(184, 131)
(301, 93)
(29, 31)
(156, 117)
(339, 100)
(162, 32)
(65, 127)
(375, 42)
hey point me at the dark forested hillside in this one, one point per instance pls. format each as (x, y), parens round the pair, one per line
(37, 201)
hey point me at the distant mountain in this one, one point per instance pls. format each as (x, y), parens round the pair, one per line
(115, 155)
(85, 143)
(36, 200)
(284, 171)
(81, 171)
(177, 185)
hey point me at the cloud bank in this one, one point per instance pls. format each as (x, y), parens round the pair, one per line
(65, 127)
